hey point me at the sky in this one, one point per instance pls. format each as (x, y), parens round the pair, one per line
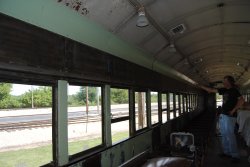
(18, 89)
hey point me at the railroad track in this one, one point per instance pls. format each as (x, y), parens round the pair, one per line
(45, 123)
(48, 123)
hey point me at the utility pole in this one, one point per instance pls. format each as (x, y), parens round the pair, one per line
(87, 107)
(32, 97)
(141, 110)
(97, 89)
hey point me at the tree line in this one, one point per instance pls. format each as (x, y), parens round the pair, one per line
(42, 97)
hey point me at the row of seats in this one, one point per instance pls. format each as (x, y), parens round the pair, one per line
(201, 127)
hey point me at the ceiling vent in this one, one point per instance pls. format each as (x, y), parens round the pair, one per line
(180, 29)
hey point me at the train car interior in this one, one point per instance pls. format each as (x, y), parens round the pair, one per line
(89, 83)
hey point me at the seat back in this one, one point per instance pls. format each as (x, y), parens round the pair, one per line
(182, 144)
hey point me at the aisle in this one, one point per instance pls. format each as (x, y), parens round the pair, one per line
(213, 160)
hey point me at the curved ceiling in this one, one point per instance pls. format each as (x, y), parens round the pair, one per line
(216, 41)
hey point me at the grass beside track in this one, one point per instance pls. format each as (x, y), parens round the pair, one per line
(42, 155)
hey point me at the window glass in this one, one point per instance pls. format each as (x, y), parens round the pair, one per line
(181, 104)
(26, 125)
(171, 98)
(119, 109)
(164, 101)
(177, 105)
(196, 101)
(184, 103)
(84, 118)
(119, 102)
(192, 102)
(188, 103)
(120, 131)
(164, 107)
(154, 108)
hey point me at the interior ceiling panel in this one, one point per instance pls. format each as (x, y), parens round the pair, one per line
(231, 13)
(212, 17)
(162, 11)
(215, 40)
(169, 58)
(187, 39)
(108, 13)
(154, 44)
(180, 7)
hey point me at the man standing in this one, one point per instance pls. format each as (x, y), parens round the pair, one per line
(232, 100)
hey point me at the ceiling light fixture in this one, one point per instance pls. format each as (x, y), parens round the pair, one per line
(248, 42)
(172, 48)
(142, 20)
(198, 60)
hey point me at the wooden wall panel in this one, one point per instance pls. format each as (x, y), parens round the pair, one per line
(30, 50)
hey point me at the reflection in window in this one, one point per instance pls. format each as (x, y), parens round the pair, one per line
(84, 118)
(26, 125)
(140, 110)
(154, 108)
(119, 114)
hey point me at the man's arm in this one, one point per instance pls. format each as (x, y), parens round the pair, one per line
(240, 102)
(209, 90)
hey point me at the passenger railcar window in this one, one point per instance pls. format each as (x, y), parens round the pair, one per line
(154, 108)
(193, 102)
(181, 104)
(171, 99)
(186, 102)
(189, 102)
(140, 110)
(26, 125)
(177, 105)
(164, 107)
(196, 101)
(84, 118)
(119, 114)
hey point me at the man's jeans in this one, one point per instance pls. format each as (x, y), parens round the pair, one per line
(229, 143)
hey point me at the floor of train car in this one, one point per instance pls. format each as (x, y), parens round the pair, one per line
(214, 148)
